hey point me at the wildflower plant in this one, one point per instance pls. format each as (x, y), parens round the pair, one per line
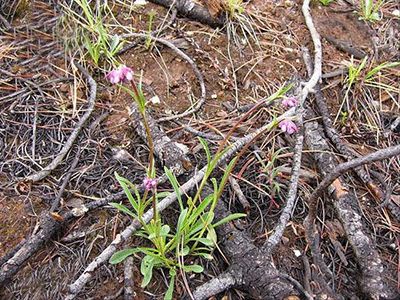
(369, 10)
(194, 233)
(88, 28)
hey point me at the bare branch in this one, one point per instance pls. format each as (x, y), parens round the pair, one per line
(214, 286)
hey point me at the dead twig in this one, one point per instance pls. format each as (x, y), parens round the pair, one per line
(334, 136)
(129, 284)
(308, 87)
(347, 166)
(241, 197)
(216, 285)
(57, 200)
(6, 24)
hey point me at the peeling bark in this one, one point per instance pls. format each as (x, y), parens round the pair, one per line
(372, 280)
(168, 152)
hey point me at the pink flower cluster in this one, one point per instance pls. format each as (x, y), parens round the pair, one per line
(122, 74)
(149, 183)
(288, 126)
(290, 102)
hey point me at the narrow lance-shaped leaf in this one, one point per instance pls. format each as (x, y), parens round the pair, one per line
(175, 185)
(229, 218)
(122, 208)
(119, 256)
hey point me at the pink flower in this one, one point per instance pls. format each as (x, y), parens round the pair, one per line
(126, 73)
(114, 76)
(288, 126)
(122, 74)
(290, 102)
(149, 183)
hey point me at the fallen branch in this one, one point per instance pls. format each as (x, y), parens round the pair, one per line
(284, 218)
(196, 71)
(308, 87)
(372, 282)
(129, 283)
(334, 136)
(347, 166)
(67, 146)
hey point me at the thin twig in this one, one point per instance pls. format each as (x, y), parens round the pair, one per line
(57, 200)
(308, 87)
(347, 166)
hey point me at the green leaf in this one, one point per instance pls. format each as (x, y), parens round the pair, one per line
(205, 255)
(152, 236)
(181, 220)
(380, 67)
(193, 268)
(225, 177)
(122, 208)
(196, 227)
(175, 185)
(164, 230)
(229, 218)
(200, 209)
(168, 295)
(115, 43)
(212, 235)
(206, 149)
(210, 218)
(124, 184)
(204, 241)
(184, 251)
(146, 268)
(119, 256)
(279, 93)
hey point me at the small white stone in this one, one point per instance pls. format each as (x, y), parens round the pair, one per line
(396, 13)
(155, 100)
(214, 96)
(297, 252)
